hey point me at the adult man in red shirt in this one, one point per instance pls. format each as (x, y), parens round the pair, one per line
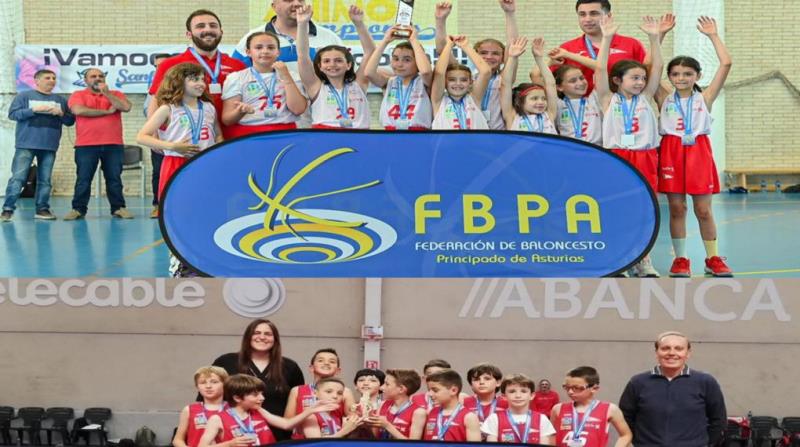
(588, 45)
(204, 28)
(98, 139)
(545, 399)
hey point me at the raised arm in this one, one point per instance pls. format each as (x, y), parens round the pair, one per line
(305, 66)
(509, 8)
(549, 81)
(484, 70)
(708, 26)
(442, 11)
(377, 77)
(650, 26)
(367, 44)
(295, 101)
(515, 49)
(440, 75)
(559, 53)
(423, 63)
(609, 28)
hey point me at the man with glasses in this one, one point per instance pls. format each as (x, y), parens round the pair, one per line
(98, 139)
(672, 404)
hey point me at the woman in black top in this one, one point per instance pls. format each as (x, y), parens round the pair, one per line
(260, 356)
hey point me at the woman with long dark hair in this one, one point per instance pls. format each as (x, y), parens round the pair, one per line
(260, 356)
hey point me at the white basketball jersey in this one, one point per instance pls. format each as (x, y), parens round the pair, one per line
(447, 119)
(419, 110)
(672, 123)
(592, 125)
(645, 128)
(179, 128)
(547, 124)
(243, 83)
(325, 109)
(490, 103)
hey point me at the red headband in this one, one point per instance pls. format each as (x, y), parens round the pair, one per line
(525, 92)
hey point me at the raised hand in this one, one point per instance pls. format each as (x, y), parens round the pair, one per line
(608, 26)
(389, 35)
(460, 41)
(356, 14)
(304, 14)
(649, 25)
(707, 25)
(666, 23)
(414, 34)
(537, 47)
(508, 5)
(443, 10)
(557, 55)
(517, 47)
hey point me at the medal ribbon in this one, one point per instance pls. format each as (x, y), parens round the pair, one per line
(214, 74)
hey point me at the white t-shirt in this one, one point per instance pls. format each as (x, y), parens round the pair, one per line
(489, 426)
(592, 125)
(179, 128)
(419, 111)
(325, 108)
(645, 127)
(547, 125)
(491, 103)
(243, 83)
(671, 122)
(447, 119)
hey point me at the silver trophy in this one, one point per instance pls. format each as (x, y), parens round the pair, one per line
(405, 9)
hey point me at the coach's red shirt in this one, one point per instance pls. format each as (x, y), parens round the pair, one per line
(622, 47)
(229, 65)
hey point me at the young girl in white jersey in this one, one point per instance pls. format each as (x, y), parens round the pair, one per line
(492, 51)
(338, 93)
(629, 122)
(184, 124)
(528, 107)
(686, 162)
(579, 115)
(264, 97)
(454, 95)
(406, 102)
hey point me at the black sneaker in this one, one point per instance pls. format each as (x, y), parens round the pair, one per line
(6, 216)
(44, 215)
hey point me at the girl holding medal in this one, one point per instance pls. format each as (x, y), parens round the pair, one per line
(454, 95)
(686, 162)
(244, 423)
(194, 417)
(406, 103)
(518, 423)
(629, 122)
(529, 107)
(264, 97)
(338, 93)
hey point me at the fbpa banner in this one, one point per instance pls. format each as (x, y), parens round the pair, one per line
(408, 204)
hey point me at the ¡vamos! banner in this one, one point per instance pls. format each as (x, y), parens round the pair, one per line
(408, 204)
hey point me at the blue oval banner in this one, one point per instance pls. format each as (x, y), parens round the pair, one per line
(314, 203)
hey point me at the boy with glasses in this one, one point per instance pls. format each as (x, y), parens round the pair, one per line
(584, 421)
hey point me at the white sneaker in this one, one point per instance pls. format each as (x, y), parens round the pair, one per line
(645, 269)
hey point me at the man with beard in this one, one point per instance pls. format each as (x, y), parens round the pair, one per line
(205, 30)
(284, 25)
(98, 139)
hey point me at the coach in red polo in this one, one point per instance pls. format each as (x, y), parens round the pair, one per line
(588, 45)
(204, 28)
(98, 139)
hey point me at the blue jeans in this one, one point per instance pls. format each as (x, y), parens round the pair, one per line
(19, 174)
(110, 158)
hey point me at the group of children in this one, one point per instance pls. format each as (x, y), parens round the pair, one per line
(391, 407)
(672, 151)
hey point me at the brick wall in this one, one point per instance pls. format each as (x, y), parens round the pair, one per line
(760, 116)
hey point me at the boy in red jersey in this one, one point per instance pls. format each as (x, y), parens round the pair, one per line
(209, 381)
(584, 421)
(449, 420)
(399, 417)
(519, 423)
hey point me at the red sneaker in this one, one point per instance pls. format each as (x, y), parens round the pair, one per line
(680, 268)
(716, 266)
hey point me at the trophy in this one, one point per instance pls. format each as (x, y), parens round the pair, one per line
(405, 9)
(363, 407)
